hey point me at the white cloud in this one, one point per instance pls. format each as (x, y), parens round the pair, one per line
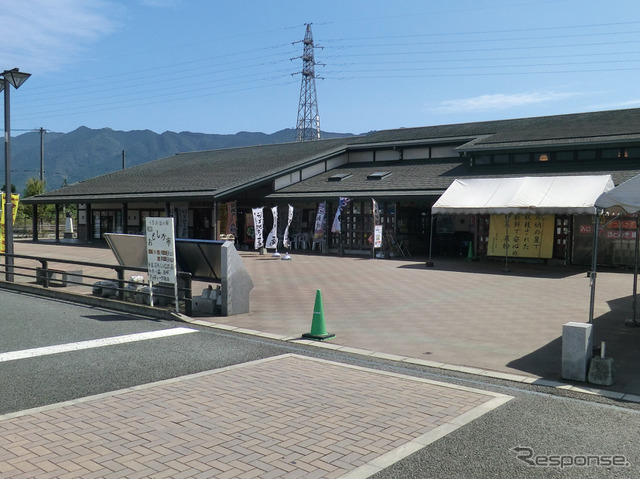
(44, 35)
(500, 101)
(617, 105)
(159, 3)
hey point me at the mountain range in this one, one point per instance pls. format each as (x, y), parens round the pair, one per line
(86, 153)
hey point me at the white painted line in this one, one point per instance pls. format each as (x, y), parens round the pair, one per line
(94, 343)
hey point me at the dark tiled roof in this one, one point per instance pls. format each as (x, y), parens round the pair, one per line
(222, 173)
(432, 177)
(199, 174)
(614, 125)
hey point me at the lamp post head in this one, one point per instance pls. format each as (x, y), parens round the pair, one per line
(15, 77)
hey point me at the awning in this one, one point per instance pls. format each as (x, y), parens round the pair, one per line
(540, 194)
(625, 196)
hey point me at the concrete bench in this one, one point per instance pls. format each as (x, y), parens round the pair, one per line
(57, 277)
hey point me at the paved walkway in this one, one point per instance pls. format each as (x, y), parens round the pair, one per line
(311, 419)
(317, 418)
(467, 314)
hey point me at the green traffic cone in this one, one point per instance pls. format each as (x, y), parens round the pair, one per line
(318, 329)
(470, 256)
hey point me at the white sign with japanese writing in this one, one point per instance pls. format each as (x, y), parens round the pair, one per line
(161, 250)
(377, 236)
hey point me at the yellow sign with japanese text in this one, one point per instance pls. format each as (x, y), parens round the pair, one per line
(14, 211)
(526, 235)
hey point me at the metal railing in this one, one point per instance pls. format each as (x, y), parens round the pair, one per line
(47, 277)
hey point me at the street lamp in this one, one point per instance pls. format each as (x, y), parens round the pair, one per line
(16, 78)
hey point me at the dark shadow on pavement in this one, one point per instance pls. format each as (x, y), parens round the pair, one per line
(495, 266)
(544, 362)
(622, 343)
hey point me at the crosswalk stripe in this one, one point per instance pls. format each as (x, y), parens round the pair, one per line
(93, 343)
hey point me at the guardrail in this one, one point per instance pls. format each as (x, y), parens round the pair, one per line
(120, 288)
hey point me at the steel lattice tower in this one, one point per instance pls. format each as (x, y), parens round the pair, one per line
(308, 124)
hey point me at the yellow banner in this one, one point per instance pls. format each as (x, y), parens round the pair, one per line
(529, 235)
(15, 199)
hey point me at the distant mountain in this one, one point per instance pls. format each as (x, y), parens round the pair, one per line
(85, 153)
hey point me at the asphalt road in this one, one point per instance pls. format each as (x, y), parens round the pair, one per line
(540, 433)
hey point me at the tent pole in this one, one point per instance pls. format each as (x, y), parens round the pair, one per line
(594, 262)
(429, 262)
(635, 275)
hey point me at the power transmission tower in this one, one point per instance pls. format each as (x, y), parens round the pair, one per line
(308, 124)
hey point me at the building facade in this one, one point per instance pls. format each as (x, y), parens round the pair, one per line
(404, 171)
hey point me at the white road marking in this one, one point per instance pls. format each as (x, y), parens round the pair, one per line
(94, 343)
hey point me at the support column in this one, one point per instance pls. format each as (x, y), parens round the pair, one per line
(89, 233)
(125, 217)
(57, 223)
(34, 223)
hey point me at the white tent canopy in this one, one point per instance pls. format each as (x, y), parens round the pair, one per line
(625, 196)
(541, 194)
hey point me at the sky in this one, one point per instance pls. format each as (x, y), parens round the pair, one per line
(225, 66)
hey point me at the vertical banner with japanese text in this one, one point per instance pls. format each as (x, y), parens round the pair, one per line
(15, 199)
(377, 224)
(285, 240)
(528, 236)
(232, 219)
(272, 237)
(318, 232)
(258, 225)
(336, 226)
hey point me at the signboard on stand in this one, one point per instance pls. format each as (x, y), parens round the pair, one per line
(377, 236)
(161, 253)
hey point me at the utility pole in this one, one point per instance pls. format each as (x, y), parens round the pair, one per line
(308, 123)
(42, 132)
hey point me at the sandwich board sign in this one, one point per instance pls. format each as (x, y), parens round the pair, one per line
(161, 253)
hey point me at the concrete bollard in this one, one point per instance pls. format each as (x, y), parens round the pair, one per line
(577, 348)
(601, 369)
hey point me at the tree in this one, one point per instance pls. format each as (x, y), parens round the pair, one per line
(33, 187)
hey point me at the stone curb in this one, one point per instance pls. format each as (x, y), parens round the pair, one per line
(147, 311)
(432, 364)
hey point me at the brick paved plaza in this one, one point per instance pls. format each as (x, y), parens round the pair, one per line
(288, 416)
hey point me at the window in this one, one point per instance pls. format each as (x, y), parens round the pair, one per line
(633, 153)
(500, 159)
(378, 175)
(587, 154)
(522, 158)
(481, 160)
(610, 153)
(339, 177)
(564, 156)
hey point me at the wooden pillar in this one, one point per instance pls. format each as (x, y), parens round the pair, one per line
(89, 233)
(125, 217)
(57, 223)
(34, 223)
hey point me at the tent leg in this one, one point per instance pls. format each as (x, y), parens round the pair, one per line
(429, 263)
(633, 321)
(594, 262)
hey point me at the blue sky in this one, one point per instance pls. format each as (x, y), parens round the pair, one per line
(224, 66)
